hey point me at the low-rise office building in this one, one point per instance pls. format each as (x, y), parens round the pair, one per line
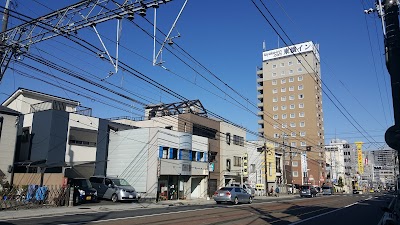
(160, 163)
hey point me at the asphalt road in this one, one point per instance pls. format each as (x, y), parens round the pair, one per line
(337, 209)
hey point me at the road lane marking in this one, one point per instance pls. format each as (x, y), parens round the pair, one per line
(323, 214)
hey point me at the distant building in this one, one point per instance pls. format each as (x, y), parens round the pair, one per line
(290, 103)
(385, 167)
(257, 157)
(226, 141)
(57, 136)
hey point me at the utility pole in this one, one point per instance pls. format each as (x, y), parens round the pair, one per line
(392, 51)
(4, 28)
(5, 17)
(241, 172)
(291, 168)
(265, 169)
(284, 169)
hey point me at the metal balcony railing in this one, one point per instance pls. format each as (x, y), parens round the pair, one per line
(61, 106)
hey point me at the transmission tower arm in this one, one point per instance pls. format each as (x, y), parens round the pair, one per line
(65, 22)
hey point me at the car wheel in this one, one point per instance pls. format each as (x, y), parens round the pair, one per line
(114, 198)
(250, 200)
(236, 201)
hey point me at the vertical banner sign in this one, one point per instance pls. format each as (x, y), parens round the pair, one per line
(304, 163)
(359, 157)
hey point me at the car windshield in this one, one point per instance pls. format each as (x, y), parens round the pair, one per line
(305, 187)
(84, 183)
(120, 182)
(326, 188)
(226, 189)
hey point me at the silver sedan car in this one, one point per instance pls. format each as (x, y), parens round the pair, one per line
(234, 195)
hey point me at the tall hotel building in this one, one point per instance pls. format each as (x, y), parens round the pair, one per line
(290, 104)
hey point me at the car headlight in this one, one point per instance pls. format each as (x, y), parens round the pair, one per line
(95, 193)
(81, 192)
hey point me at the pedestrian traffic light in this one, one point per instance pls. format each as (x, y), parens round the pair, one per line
(245, 172)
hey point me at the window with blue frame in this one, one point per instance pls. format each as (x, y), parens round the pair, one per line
(201, 157)
(194, 158)
(163, 152)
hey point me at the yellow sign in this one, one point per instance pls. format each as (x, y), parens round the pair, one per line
(359, 157)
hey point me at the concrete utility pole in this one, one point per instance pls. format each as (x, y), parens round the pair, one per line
(5, 17)
(291, 168)
(284, 168)
(392, 52)
(265, 168)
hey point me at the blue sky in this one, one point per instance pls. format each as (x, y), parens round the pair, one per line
(226, 38)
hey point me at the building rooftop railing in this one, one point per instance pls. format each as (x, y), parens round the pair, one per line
(61, 106)
(141, 118)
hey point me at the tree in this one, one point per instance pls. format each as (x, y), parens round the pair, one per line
(340, 182)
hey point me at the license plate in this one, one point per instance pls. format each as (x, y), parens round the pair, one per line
(221, 194)
(303, 192)
(130, 196)
(88, 198)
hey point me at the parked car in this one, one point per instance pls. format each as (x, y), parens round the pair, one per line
(327, 190)
(246, 187)
(233, 195)
(83, 190)
(114, 188)
(308, 191)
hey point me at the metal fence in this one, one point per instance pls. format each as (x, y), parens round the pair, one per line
(33, 196)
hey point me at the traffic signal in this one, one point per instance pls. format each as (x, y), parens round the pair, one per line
(245, 172)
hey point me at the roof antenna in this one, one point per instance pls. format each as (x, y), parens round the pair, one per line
(264, 48)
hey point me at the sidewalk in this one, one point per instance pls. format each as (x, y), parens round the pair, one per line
(84, 209)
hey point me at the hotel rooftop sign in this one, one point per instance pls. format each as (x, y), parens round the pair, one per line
(291, 50)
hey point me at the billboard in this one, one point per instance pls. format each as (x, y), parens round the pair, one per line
(359, 157)
(291, 50)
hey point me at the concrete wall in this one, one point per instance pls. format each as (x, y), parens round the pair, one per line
(8, 140)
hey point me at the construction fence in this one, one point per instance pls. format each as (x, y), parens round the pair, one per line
(33, 196)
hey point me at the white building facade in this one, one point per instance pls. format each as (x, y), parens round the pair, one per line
(160, 163)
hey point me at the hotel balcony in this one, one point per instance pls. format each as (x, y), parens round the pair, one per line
(259, 71)
(259, 88)
(260, 96)
(260, 104)
(260, 130)
(260, 121)
(260, 113)
(260, 80)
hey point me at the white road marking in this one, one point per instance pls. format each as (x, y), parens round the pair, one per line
(323, 214)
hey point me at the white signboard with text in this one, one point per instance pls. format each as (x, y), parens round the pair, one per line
(291, 50)
(303, 162)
